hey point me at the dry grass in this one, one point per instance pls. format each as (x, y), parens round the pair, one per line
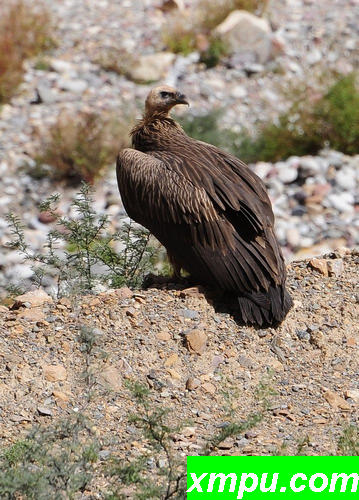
(25, 30)
(114, 59)
(185, 33)
(81, 147)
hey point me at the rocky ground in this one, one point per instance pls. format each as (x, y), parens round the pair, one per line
(315, 198)
(197, 362)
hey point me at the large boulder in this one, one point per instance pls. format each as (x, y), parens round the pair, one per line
(151, 68)
(244, 33)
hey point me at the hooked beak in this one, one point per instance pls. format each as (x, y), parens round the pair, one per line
(181, 99)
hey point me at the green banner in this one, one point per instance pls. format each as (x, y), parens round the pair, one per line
(273, 477)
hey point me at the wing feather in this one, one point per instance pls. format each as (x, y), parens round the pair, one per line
(208, 209)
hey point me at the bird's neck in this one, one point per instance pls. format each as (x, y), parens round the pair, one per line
(155, 132)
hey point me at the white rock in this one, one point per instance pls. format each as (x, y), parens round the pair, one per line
(19, 272)
(344, 202)
(60, 66)
(151, 68)
(314, 57)
(309, 166)
(262, 169)
(75, 86)
(245, 33)
(286, 173)
(346, 178)
(238, 92)
(293, 237)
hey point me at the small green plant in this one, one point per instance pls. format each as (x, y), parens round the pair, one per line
(216, 50)
(153, 423)
(81, 147)
(78, 246)
(25, 30)
(52, 462)
(307, 127)
(348, 443)
(207, 128)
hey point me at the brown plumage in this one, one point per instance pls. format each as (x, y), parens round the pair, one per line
(209, 210)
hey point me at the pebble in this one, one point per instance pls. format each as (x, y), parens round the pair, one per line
(335, 400)
(286, 173)
(192, 383)
(45, 411)
(74, 86)
(54, 373)
(320, 265)
(303, 335)
(196, 341)
(111, 377)
(335, 267)
(352, 394)
(189, 313)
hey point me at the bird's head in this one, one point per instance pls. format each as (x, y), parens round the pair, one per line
(162, 99)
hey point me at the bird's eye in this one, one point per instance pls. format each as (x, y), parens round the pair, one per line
(164, 94)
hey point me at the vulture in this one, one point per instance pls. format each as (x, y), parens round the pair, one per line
(207, 208)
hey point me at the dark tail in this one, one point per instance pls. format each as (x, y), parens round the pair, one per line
(265, 309)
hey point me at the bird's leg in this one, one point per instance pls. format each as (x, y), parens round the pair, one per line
(175, 278)
(176, 269)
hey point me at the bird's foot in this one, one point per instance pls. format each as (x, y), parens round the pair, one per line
(155, 281)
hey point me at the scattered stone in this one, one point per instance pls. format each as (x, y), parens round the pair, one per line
(352, 394)
(163, 335)
(192, 383)
(336, 401)
(151, 68)
(131, 312)
(32, 315)
(209, 387)
(171, 360)
(286, 174)
(351, 341)
(35, 298)
(195, 291)
(335, 267)
(111, 376)
(227, 444)
(45, 411)
(46, 217)
(62, 396)
(303, 335)
(320, 265)
(61, 66)
(196, 341)
(189, 313)
(124, 293)
(293, 237)
(54, 373)
(246, 33)
(74, 86)
(169, 5)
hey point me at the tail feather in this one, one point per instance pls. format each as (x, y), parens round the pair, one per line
(265, 309)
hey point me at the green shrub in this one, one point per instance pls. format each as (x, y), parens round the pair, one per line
(81, 147)
(348, 443)
(206, 128)
(53, 462)
(89, 256)
(332, 120)
(25, 30)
